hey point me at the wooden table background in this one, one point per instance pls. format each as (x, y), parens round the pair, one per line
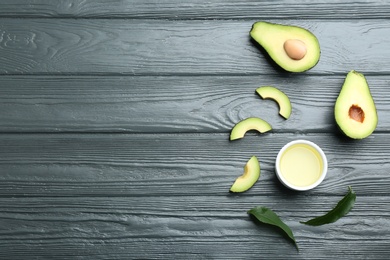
(115, 118)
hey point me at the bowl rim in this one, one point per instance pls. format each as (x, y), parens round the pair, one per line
(301, 188)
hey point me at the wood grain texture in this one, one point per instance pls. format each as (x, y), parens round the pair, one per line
(161, 165)
(196, 9)
(186, 227)
(115, 118)
(206, 104)
(160, 47)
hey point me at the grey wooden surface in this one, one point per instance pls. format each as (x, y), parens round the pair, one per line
(115, 118)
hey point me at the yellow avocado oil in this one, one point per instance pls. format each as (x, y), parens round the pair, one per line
(301, 165)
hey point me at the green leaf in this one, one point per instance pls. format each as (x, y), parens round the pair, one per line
(342, 208)
(267, 216)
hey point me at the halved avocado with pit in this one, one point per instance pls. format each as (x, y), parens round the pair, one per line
(293, 48)
(251, 123)
(269, 92)
(249, 177)
(355, 110)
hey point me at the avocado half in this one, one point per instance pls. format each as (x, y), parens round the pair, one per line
(251, 123)
(249, 177)
(283, 42)
(269, 92)
(355, 110)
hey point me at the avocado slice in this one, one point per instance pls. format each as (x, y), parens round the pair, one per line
(355, 110)
(293, 48)
(249, 177)
(251, 123)
(280, 98)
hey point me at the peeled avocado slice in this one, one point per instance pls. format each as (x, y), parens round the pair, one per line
(355, 110)
(251, 123)
(249, 178)
(293, 48)
(280, 98)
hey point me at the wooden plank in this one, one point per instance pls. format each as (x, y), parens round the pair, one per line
(161, 47)
(298, 208)
(206, 104)
(186, 227)
(240, 247)
(173, 164)
(175, 9)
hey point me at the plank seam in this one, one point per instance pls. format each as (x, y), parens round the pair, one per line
(173, 195)
(111, 74)
(189, 18)
(274, 132)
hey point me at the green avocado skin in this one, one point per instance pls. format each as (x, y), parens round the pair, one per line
(249, 178)
(251, 123)
(272, 37)
(270, 92)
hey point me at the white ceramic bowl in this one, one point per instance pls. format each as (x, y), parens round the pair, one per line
(301, 163)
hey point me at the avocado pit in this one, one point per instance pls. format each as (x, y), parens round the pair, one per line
(356, 113)
(295, 49)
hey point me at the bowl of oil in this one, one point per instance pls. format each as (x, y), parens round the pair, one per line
(301, 165)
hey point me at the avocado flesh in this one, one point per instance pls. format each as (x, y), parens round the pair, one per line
(269, 92)
(249, 177)
(272, 38)
(355, 110)
(251, 123)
